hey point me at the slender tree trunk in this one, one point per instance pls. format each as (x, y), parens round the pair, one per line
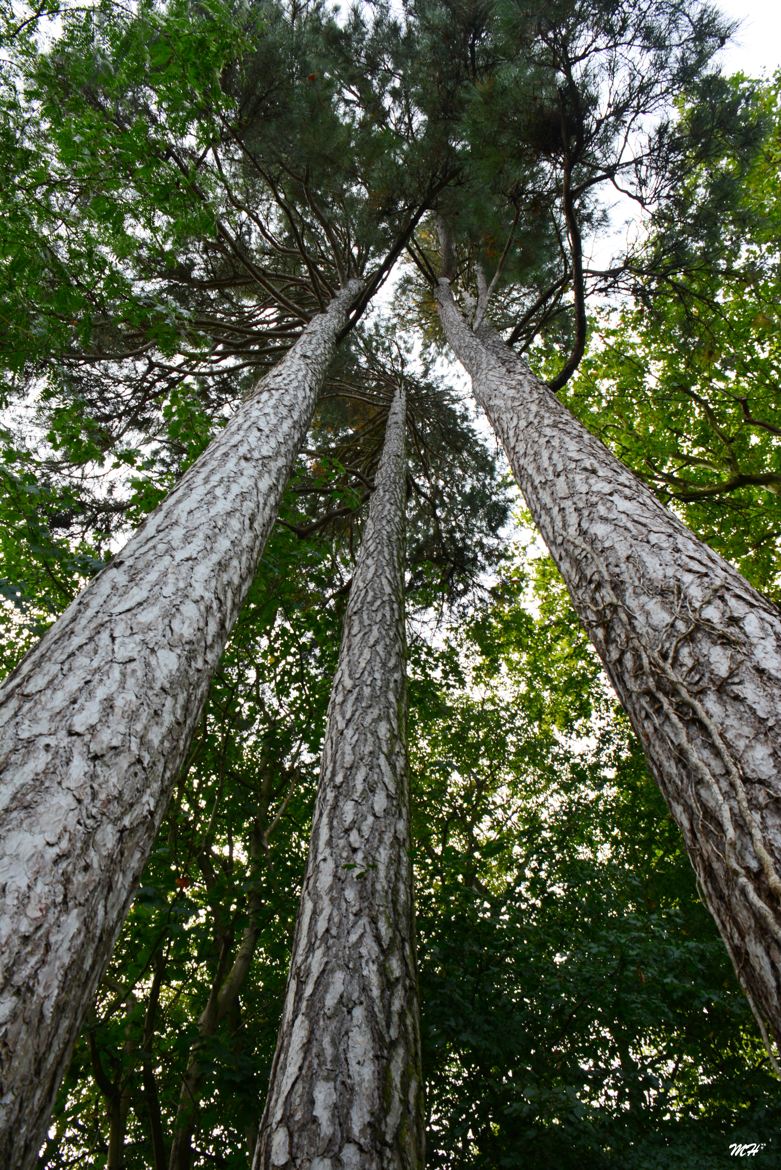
(148, 1104)
(223, 997)
(96, 721)
(345, 1088)
(119, 1112)
(692, 650)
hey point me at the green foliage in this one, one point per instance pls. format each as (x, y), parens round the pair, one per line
(547, 111)
(578, 1006)
(682, 383)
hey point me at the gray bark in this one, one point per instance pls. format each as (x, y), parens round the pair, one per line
(692, 650)
(96, 721)
(345, 1088)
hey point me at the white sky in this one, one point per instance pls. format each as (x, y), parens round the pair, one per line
(754, 50)
(756, 47)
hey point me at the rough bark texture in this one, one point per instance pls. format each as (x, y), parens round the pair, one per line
(692, 650)
(345, 1088)
(96, 720)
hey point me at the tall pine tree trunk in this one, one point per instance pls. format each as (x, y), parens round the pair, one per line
(692, 650)
(96, 720)
(345, 1088)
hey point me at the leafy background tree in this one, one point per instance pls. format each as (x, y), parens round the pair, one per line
(577, 1003)
(690, 363)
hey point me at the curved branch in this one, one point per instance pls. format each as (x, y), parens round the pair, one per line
(757, 422)
(540, 302)
(576, 256)
(770, 480)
